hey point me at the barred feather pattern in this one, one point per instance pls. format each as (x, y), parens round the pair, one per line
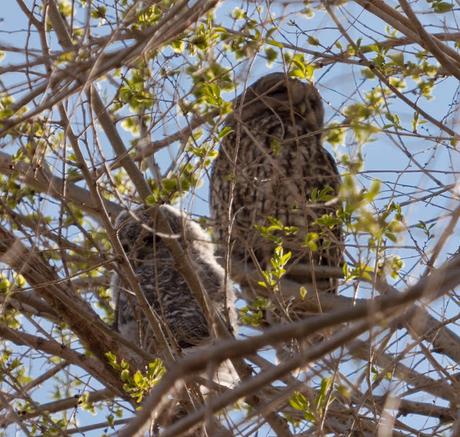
(273, 164)
(163, 285)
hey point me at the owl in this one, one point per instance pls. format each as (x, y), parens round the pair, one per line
(273, 183)
(163, 285)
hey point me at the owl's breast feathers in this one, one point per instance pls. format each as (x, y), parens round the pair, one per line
(273, 164)
(163, 285)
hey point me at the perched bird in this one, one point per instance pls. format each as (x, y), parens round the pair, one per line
(168, 293)
(163, 285)
(273, 182)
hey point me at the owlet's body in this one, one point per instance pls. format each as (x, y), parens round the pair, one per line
(163, 285)
(273, 165)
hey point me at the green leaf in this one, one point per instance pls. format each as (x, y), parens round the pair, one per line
(310, 241)
(124, 375)
(397, 58)
(271, 55)
(298, 401)
(138, 379)
(224, 132)
(442, 7)
(313, 41)
(303, 292)
(374, 190)
(335, 135)
(99, 12)
(326, 384)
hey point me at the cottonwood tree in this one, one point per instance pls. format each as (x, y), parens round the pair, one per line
(105, 105)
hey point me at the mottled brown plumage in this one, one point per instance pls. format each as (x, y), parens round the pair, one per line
(163, 285)
(273, 164)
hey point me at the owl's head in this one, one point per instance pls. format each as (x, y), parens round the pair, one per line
(280, 94)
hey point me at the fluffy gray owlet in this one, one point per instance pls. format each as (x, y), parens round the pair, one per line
(164, 287)
(272, 165)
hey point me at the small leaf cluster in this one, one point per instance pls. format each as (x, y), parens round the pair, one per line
(360, 219)
(311, 241)
(278, 263)
(13, 368)
(397, 68)
(8, 285)
(7, 111)
(6, 103)
(391, 265)
(359, 115)
(138, 384)
(14, 193)
(248, 40)
(275, 230)
(335, 134)
(253, 314)
(148, 16)
(204, 37)
(359, 270)
(440, 6)
(134, 91)
(171, 188)
(426, 228)
(377, 374)
(312, 410)
(205, 152)
(209, 81)
(299, 67)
